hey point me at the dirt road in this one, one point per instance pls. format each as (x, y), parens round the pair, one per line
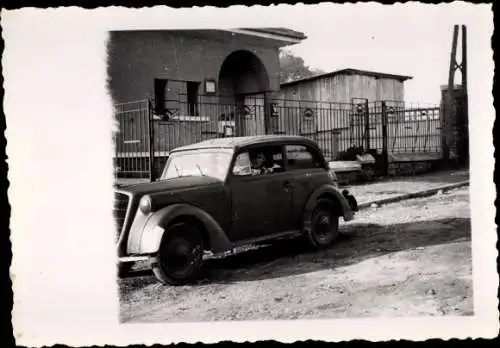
(404, 259)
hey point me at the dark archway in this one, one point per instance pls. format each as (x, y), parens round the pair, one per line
(244, 82)
(242, 73)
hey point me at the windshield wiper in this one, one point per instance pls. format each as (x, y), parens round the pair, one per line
(201, 171)
(177, 170)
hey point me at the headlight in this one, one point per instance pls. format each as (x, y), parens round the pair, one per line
(146, 205)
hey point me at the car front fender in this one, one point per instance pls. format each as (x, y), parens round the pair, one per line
(335, 195)
(148, 238)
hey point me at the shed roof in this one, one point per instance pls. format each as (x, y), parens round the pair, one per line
(237, 142)
(350, 71)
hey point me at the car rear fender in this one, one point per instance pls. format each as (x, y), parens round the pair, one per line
(330, 192)
(157, 224)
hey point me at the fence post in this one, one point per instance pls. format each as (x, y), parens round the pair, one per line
(267, 113)
(152, 166)
(385, 151)
(367, 126)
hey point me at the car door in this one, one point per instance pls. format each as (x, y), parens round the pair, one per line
(304, 167)
(260, 202)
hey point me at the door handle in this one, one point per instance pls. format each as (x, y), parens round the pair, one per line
(287, 185)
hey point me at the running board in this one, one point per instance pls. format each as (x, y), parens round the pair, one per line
(250, 244)
(237, 247)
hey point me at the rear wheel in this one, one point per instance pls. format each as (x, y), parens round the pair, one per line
(180, 258)
(324, 224)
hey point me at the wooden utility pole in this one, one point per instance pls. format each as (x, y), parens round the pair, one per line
(455, 118)
(464, 122)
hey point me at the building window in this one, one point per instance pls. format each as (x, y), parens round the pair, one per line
(192, 98)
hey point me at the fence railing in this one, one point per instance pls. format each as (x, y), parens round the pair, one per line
(148, 132)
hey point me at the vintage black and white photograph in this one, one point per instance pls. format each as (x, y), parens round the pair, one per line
(241, 172)
(315, 164)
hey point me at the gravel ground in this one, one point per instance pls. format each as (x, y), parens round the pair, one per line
(404, 259)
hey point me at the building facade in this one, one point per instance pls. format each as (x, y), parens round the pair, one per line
(199, 81)
(201, 84)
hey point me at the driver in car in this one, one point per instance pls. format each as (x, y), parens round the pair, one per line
(259, 165)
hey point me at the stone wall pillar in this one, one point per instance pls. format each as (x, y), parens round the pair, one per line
(455, 129)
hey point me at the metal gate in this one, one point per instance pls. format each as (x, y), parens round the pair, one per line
(395, 127)
(132, 148)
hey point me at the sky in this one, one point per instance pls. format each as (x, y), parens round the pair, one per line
(414, 41)
(59, 119)
(409, 39)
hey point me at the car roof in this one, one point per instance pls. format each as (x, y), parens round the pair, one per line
(239, 142)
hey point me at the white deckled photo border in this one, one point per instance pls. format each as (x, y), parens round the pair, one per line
(60, 149)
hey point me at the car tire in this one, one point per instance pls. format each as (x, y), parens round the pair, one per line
(324, 224)
(180, 258)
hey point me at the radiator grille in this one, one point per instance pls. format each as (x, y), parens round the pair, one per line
(120, 211)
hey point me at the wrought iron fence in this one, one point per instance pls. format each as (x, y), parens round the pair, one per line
(409, 129)
(148, 130)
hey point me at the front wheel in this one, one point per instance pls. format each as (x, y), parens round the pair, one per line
(324, 224)
(180, 258)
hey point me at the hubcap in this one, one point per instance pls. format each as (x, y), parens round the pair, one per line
(323, 226)
(325, 220)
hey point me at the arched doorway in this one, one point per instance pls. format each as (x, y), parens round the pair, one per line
(243, 82)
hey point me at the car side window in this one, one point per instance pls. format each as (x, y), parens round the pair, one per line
(259, 161)
(301, 157)
(266, 160)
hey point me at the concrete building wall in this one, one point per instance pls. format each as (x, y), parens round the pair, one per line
(136, 58)
(238, 65)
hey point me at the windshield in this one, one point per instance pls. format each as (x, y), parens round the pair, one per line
(212, 163)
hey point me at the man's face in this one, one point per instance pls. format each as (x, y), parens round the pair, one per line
(259, 161)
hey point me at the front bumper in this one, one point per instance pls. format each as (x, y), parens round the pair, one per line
(125, 259)
(351, 200)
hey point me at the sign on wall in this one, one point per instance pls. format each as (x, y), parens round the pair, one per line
(274, 110)
(308, 113)
(210, 86)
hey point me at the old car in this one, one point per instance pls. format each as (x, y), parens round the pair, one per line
(220, 194)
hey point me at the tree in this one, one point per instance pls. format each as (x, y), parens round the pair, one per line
(293, 67)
